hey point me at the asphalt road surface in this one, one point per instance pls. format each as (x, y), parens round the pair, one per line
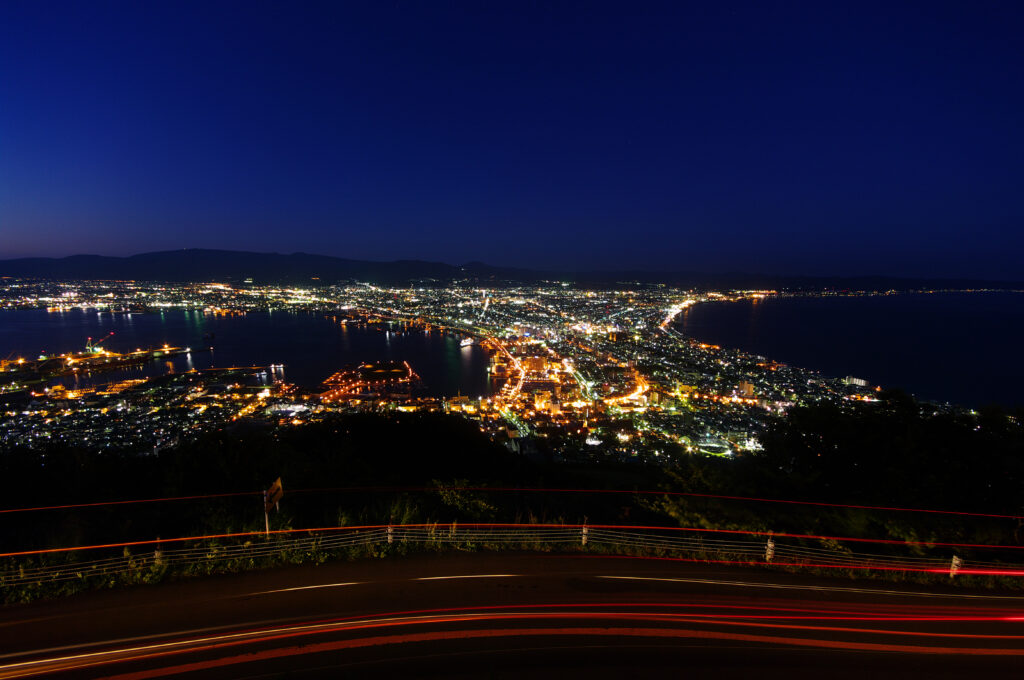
(517, 615)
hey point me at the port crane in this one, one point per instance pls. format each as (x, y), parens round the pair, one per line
(94, 347)
(6, 361)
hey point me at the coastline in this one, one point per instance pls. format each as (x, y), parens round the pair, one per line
(774, 335)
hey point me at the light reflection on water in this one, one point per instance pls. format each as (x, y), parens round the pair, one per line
(956, 347)
(311, 346)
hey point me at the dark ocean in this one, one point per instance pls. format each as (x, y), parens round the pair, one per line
(962, 348)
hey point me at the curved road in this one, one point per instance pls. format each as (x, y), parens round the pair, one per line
(511, 615)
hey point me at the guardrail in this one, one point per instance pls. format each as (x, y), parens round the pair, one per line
(86, 563)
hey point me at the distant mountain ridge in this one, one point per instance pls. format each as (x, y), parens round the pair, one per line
(236, 266)
(221, 265)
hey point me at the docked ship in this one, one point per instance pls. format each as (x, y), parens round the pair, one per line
(94, 359)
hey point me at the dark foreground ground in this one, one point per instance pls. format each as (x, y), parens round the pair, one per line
(513, 616)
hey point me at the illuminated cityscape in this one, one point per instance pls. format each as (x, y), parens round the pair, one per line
(573, 374)
(511, 340)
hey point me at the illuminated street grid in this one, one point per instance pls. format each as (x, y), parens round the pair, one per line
(576, 374)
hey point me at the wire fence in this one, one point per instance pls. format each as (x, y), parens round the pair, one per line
(238, 551)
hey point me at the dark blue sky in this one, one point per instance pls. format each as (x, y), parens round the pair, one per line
(789, 137)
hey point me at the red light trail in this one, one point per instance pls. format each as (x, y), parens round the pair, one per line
(654, 627)
(137, 501)
(403, 489)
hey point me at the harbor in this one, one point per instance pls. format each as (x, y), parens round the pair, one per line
(17, 374)
(306, 347)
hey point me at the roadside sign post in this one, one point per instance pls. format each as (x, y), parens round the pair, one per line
(266, 517)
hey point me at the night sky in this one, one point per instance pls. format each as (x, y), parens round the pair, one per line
(778, 137)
